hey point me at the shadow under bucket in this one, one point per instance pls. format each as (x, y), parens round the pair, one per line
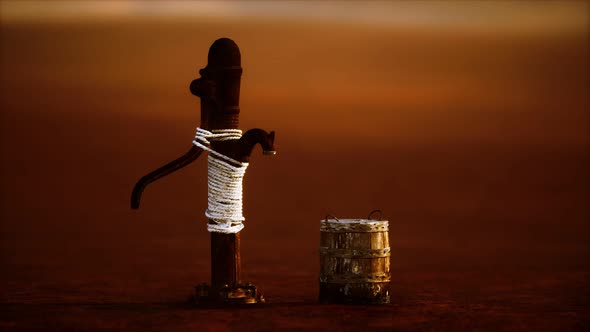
(354, 261)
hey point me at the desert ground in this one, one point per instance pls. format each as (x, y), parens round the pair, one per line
(475, 144)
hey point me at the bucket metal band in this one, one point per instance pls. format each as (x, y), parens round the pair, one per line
(355, 278)
(355, 253)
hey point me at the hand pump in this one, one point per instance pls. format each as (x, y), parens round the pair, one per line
(219, 90)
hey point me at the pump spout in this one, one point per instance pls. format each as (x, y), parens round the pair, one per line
(251, 138)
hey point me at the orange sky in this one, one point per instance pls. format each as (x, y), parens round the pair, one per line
(504, 15)
(413, 65)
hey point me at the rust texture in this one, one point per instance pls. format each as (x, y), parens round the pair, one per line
(219, 91)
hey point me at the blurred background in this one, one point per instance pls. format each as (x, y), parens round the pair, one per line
(467, 123)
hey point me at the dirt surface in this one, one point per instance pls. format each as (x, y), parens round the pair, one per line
(515, 300)
(475, 146)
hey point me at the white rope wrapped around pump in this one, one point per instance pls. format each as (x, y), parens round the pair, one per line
(225, 177)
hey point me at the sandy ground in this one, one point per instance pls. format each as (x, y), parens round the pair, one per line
(474, 145)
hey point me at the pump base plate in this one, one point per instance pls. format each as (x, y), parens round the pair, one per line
(227, 295)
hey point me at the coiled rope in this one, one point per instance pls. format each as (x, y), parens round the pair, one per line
(224, 182)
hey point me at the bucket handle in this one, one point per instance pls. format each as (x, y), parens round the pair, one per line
(373, 212)
(332, 216)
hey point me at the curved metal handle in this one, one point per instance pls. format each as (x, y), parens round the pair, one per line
(205, 89)
(373, 212)
(161, 172)
(333, 217)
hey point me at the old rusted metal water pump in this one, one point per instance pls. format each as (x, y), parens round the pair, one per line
(219, 91)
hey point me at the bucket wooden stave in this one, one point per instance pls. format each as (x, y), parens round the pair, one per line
(354, 261)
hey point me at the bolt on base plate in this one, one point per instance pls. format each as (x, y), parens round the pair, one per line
(228, 294)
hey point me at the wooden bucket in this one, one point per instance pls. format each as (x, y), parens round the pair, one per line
(354, 261)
